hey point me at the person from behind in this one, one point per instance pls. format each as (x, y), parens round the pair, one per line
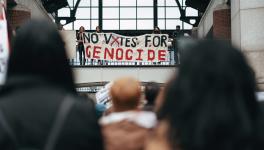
(81, 40)
(98, 30)
(152, 90)
(39, 107)
(177, 33)
(211, 103)
(126, 127)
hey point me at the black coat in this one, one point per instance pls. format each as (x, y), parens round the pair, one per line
(30, 106)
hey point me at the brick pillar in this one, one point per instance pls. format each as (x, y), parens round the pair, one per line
(222, 22)
(18, 15)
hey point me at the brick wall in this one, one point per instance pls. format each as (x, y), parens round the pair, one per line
(222, 22)
(17, 16)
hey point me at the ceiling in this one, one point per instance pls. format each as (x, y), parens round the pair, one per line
(200, 5)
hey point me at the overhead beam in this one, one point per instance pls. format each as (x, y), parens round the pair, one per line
(72, 17)
(155, 12)
(182, 11)
(100, 17)
(73, 12)
(185, 18)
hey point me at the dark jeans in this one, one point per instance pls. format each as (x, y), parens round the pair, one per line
(81, 54)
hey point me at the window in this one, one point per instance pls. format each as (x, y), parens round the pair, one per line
(64, 12)
(161, 12)
(70, 2)
(169, 14)
(84, 23)
(93, 2)
(187, 26)
(87, 14)
(145, 13)
(94, 24)
(110, 2)
(182, 2)
(191, 12)
(68, 26)
(83, 13)
(171, 3)
(171, 24)
(110, 13)
(145, 24)
(145, 2)
(127, 14)
(173, 12)
(111, 24)
(161, 24)
(95, 14)
(128, 24)
(128, 2)
(84, 3)
(161, 2)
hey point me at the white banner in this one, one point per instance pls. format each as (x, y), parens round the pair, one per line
(111, 46)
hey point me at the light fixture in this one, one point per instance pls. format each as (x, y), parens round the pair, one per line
(192, 21)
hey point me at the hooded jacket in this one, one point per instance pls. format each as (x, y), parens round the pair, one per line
(127, 130)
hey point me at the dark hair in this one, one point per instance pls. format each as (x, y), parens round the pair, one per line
(81, 27)
(157, 28)
(39, 51)
(151, 92)
(211, 104)
(156, 32)
(98, 27)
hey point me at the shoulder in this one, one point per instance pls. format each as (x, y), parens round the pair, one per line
(82, 116)
(157, 140)
(83, 104)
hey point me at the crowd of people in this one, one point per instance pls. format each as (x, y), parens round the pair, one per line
(208, 104)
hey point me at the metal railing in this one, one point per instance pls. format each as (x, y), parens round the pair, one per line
(74, 62)
(97, 86)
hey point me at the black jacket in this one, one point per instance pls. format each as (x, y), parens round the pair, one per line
(79, 37)
(30, 106)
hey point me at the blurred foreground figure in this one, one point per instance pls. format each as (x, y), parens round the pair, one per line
(39, 107)
(152, 90)
(126, 128)
(211, 104)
